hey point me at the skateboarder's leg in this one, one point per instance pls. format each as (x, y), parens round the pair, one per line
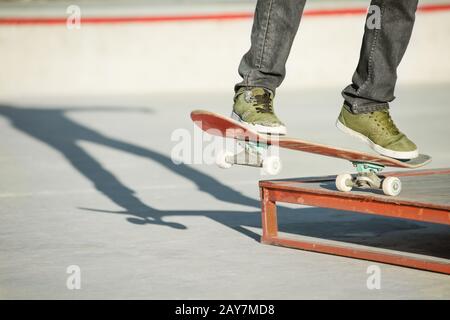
(387, 32)
(263, 67)
(365, 112)
(274, 28)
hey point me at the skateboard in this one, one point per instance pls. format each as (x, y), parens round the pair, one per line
(255, 146)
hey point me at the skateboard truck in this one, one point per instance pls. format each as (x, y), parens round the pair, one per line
(368, 178)
(254, 154)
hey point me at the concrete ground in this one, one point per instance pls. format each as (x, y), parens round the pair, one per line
(87, 124)
(91, 183)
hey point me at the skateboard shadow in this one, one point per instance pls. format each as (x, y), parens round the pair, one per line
(331, 185)
(53, 127)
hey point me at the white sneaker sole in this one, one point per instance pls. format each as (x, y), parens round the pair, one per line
(403, 155)
(280, 130)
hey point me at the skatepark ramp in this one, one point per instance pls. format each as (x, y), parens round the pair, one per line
(141, 48)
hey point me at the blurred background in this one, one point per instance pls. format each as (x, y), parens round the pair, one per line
(170, 49)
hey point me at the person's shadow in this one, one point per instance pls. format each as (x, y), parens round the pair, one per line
(52, 127)
(55, 129)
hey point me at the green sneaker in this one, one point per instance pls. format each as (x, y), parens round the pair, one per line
(379, 131)
(253, 107)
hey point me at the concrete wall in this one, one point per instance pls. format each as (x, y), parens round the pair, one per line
(196, 56)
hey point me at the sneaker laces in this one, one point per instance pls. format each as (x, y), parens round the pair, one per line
(263, 103)
(387, 123)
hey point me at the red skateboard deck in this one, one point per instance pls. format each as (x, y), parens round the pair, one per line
(219, 125)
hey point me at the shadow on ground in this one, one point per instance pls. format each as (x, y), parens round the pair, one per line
(52, 127)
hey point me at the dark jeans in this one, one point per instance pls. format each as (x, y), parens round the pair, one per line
(275, 26)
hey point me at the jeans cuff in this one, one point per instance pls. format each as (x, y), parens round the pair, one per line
(366, 108)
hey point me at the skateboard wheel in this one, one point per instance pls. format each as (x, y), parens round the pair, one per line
(392, 186)
(272, 165)
(344, 182)
(222, 159)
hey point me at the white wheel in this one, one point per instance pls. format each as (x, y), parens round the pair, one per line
(392, 186)
(221, 159)
(272, 165)
(344, 182)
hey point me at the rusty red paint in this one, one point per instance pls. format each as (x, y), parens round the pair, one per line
(225, 16)
(389, 258)
(288, 191)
